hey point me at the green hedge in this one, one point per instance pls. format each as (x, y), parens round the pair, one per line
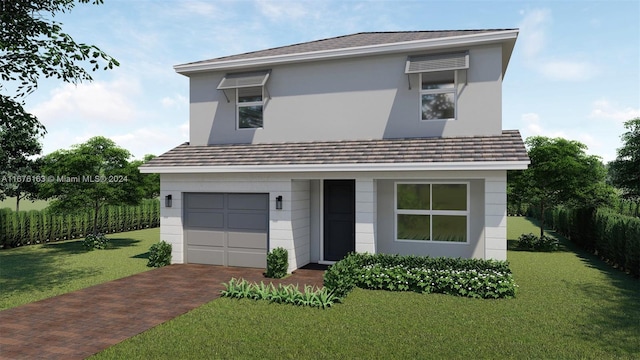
(474, 278)
(613, 236)
(39, 226)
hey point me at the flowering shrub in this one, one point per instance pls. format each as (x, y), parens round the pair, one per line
(475, 278)
(98, 241)
(485, 284)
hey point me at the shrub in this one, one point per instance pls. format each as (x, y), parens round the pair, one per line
(159, 254)
(535, 243)
(474, 278)
(340, 278)
(95, 241)
(284, 294)
(277, 263)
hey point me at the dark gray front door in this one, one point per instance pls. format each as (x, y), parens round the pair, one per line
(339, 218)
(226, 229)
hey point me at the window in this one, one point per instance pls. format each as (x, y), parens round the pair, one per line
(438, 95)
(438, 82)
(432, 212)
(249, 107)
(250, 88)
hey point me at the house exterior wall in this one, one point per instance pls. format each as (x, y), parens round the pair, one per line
(355, 98)
(300, 223)
(297, 227)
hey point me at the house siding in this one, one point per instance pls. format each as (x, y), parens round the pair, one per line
(353, 102)
(297, 227)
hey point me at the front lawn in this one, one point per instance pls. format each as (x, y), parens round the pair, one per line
(37, 272)
(569, 305)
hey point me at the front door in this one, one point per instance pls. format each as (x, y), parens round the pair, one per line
(339, 218)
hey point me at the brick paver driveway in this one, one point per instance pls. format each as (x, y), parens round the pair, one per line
(84, 322)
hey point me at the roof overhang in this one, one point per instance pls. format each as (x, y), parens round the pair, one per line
(505, 37)
(316, 168)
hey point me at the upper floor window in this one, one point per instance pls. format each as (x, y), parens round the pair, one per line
(438, 95)
(437, 74)
(249, 107)
(250, 88)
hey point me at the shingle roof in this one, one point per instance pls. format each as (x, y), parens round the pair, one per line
(349, 41)
(498, 148)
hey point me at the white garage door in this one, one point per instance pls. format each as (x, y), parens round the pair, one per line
(229, 229)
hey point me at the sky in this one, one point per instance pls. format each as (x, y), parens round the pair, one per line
(574, 72)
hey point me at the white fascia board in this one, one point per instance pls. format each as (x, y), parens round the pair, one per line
(495, 165)
(407, 46)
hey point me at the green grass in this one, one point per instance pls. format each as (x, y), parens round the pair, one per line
(569, 305)
(37, 272)
(25, 205)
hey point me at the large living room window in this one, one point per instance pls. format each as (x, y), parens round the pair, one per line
(432, 212)
(438, 95)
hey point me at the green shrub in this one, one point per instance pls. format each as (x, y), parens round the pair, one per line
(484, 284)
(474, 278)
(97, 241)
(159, 254)
(535, 243)
(283, 294)
(277, 263)
(340, 278)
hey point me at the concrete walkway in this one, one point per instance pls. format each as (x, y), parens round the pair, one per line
(81, 323)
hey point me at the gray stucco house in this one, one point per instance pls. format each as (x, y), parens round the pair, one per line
(380, 142)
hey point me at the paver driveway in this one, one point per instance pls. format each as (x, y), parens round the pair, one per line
(84, 322)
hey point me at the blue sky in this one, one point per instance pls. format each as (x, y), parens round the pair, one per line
(575, 71)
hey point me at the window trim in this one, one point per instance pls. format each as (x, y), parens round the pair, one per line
(249, 104)
(453, 91)
(431, 212)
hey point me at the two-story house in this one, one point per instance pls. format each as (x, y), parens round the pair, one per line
(381, 142)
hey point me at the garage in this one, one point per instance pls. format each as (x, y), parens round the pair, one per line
(229, 229)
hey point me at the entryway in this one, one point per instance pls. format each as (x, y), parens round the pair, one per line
(339, 216)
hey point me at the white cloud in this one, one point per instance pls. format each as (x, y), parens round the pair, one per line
(286, 10)
(604, 109)
(533, 40)
(151, 140)
(95, 102)
(533, 31)
(567, 70)
(199, 8)
(174, 101)
(535, 127)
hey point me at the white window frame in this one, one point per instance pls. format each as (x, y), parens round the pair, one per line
(453, 91)
(249, 104)
(430, 212)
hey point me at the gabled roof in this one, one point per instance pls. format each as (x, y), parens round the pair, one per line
(359, 44)
(500, 152)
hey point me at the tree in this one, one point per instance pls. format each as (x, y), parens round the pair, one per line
(561, 173)
(89, 176)
(33, 45)
(20, 135)
(149, 183)
(624, 171)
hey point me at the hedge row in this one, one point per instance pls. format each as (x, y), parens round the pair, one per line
(40, 226)
(474, 278)
(611, 235)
